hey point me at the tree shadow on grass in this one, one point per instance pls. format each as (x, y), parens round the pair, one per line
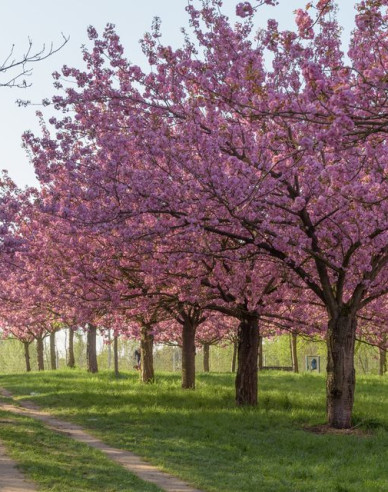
(202, 434)
(58, 463)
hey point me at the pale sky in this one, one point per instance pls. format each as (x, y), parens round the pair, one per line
(43, 21)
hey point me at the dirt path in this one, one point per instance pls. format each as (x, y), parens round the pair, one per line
(11, 479)
(128, 460)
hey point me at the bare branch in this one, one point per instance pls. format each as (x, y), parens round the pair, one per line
(15, 71)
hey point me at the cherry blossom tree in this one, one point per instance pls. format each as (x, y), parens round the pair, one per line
(286, 163)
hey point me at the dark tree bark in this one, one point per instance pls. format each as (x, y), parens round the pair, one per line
(234, 356)
(40, 353)
(341, 379)
(147, 357)
(27, 355)
(248, 342)
(53, 355)
(294, 352)
(71, 358)
(206, 357)
(383, 361)
(188, 352)
(116, 355)
(109, 349)
(260, 353)
(91, 349)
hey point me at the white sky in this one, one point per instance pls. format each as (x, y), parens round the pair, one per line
(43, 21)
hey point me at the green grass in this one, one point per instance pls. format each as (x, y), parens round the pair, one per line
(57, 463)
(203, 438)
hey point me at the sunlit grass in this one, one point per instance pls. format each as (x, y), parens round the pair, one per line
(57, 463)
(202, 437)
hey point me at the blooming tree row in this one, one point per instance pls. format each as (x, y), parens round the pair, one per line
(218, 182)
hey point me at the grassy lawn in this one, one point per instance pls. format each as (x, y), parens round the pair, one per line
(57, 463)
(200, 436)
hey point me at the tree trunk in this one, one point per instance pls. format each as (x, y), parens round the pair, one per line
(91, 349)
(294, 352)
(53, 355)
(383, 361)
(109, 350)
(248, 343)
(206, 357)
(188, 353)
(40, 353)
(260, 353)
(234, 356)
(341, 378)
(27, 355)
(116, 355)
(147, 358)
(71, 358)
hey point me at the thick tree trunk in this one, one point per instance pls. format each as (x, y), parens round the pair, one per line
(246, 378)
(27, 355)
(91, 349)
(71, 358)
(234, 356)
(260, 353)
(53, 355)
(116, 355)
(206, 357)
(294, 352)
(40, 353)
(147, 357)
(188, 353)
(383, 361)
(341, 379)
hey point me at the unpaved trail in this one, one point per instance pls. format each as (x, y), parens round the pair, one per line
(11, 479)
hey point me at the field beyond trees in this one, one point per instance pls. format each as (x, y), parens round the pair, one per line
(203, 438)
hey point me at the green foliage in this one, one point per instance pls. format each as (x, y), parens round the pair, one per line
(202, 437)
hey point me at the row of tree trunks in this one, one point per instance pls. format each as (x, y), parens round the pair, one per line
(91, 352)
(340, 364)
